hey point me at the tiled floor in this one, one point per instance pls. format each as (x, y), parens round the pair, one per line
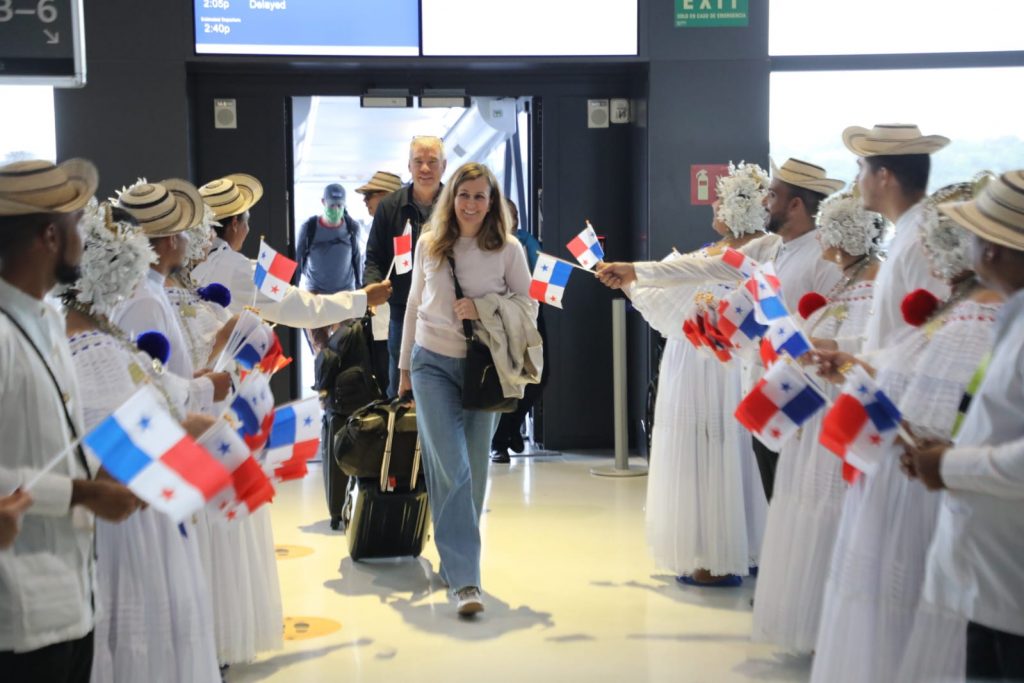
(570, 591)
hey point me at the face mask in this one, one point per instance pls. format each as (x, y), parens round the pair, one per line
(332, 214)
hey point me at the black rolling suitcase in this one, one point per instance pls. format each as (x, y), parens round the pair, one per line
(389, 514)
(344, 378)
(336, 482)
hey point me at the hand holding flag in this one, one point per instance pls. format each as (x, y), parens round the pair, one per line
(273, 273)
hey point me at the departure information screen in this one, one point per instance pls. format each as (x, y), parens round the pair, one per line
(308, 27)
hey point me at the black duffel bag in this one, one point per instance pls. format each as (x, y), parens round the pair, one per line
(359, 445)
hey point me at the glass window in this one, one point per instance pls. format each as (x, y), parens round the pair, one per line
(27, 129)
(817, 27)
(978, 109)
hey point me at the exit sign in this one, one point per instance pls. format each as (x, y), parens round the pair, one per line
(711, 13)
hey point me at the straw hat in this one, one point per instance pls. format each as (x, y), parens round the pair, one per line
(382, 181)
(36, 186)
(997, 213)
(164, 208)
(806, 175)
(231, 195)
(891, 139)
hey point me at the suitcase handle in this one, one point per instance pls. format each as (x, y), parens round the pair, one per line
(385, 465)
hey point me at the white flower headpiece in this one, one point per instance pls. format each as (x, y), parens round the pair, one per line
(740, 198)
(843, 222)
(945, 242)
(200, 238)
(116, 257)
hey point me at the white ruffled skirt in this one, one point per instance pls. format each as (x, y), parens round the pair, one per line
(705, 505)
(154, 621)
(239, 562)
(799, 539)
(874, 584)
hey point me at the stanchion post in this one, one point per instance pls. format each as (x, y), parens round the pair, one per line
(622, 467)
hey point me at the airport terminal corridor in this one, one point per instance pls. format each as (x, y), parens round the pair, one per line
(571, 594)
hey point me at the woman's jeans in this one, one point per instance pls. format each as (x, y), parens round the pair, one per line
(456, 447)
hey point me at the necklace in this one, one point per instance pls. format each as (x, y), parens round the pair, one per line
(150, 373)
(840, 309)
(938, 318)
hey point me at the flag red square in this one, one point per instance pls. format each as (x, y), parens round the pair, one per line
(196, 466)
(756, 409)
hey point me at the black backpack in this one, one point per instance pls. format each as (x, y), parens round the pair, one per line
(344, 371)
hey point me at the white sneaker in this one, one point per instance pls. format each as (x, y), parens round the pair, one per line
(470, 601)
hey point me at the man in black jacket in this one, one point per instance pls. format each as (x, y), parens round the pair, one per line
(412, 203)
(327, 253)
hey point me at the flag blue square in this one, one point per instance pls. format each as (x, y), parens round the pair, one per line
(882, 413)
(260, 275)
(773, 308)
(803, 406)
(283, 431)
(248, 357)
(115, 449)
(560, 274)
(752, 328)
(796, 346)
(245, 413)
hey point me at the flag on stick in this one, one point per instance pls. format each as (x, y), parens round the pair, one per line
(586, 247)
(740, 262)
(294, 439)
(779, 404)
(403, 251)
(766, 289)
(273, 272)
(144, 448)
(861, 426)
(550, 277)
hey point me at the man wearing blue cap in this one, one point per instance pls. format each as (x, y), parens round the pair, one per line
(327, 252)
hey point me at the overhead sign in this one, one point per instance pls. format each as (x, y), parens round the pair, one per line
(712, 13)
(42, 42)
(703, 179)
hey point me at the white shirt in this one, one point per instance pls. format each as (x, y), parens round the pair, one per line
(904, 270)
(298, 308)
(798, 264)
(976, 560)
(46, 577)
(149, 308)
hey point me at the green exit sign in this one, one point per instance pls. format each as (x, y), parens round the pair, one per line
(708, 13)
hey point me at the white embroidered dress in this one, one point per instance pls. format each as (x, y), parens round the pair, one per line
(878, 564)
(705, 505)
(806, 502)
(154, 621)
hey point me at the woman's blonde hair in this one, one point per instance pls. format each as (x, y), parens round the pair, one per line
(443, 226)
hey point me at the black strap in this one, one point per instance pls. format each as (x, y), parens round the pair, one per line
(467, 326)
(56, 385)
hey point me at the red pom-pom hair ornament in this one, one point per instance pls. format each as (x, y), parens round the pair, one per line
(918, 306)
(809, 303)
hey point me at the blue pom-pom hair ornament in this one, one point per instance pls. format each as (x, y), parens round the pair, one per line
(216, 293)
(156, 345)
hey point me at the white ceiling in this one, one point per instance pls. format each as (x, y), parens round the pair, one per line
(349, 143)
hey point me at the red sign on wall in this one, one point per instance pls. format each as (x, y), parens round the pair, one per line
(703, 178)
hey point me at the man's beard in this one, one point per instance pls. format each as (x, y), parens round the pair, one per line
(67, 274)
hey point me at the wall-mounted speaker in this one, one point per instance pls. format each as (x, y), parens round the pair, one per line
(597, 114)
(225, 113)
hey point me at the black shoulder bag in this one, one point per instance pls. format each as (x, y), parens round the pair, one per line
(481, 386)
